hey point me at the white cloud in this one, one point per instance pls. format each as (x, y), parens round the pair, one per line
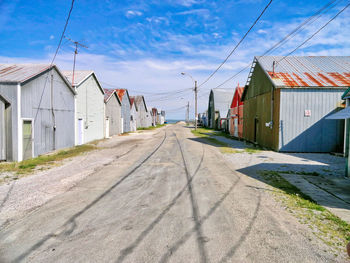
(133, 13)
(52, 37)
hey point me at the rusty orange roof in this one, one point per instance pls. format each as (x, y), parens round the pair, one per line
(120, 93)
(307, 71)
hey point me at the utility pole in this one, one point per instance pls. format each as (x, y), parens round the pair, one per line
(195, 99)
(76, 43)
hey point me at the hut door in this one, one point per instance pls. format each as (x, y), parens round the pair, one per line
(121, 125)
(27, 139)
(255, 129)
(235, 133)
(80, 131)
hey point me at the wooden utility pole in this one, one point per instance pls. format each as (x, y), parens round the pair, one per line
(195, 106)
(76, 43)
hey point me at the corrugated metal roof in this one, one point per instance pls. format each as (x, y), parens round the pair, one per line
(79, 76)
(222, 100)
(18, 73)
(132, 99)
(121, 93)
(307, 71)
(108, 93)
(342, 114)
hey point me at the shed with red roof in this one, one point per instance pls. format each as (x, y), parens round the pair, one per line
(236, 114)
(287, 99)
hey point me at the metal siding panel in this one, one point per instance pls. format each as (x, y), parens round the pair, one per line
(90, 107)
(9, 92)
(2, 131)
(43, 124)
(314, 133)
(113, 112)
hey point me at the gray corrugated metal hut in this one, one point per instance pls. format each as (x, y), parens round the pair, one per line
(90, 105)
(113, 113)
(287, 99)
(141, 112)
(219, 103)
(124, 98)
(133, 114)
(36, 107)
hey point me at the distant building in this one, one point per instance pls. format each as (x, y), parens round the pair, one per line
(287, 100)
(90, 115)
(155, 119)
(133, 114)
(36, 111)
(124, 98)
(219, 103)
(236, 114)
(113, 117)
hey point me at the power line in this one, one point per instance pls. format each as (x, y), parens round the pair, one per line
(54, 57)
(146, 92)
(314, 34)
(286, 38)
(234, 49)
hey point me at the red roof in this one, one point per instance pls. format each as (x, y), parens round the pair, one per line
(120, 93)
(132, 99)
(237, 97)
(108, 93)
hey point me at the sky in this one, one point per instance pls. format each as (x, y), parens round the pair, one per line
(143, 46)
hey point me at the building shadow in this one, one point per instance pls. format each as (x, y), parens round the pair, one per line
(301, 171)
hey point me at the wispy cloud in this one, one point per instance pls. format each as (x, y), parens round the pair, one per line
(132, 13)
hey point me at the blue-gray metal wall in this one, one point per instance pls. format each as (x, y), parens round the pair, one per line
(126, 113)
(63, 103)
(300, 133)
(90, 108)
(2, 131)
(113, 113)
(9, 92)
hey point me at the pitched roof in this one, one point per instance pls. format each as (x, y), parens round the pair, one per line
(121, 93)
(222, 100)
(139, 100)
(307, 71)
(79, 76)
(109, 93)
(132, 100)
(20, 73)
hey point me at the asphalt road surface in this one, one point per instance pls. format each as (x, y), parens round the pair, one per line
(171, 198)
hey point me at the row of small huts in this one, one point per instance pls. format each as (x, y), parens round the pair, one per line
(43, 109)
(287, 104)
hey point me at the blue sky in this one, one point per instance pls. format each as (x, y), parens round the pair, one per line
(144, 45)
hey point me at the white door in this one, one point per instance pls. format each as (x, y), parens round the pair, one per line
(80, 131)
(121, 125)
(235, 127)
(107, 128)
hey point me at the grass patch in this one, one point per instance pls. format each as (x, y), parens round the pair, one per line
(150, 127)
(328, 227)
(225, 148)
(28, 166)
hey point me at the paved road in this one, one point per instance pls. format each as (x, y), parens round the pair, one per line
(172, 198)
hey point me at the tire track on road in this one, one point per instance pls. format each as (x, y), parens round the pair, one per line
(195, 210)
(128, 250)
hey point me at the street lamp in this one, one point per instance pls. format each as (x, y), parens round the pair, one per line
(195, 98)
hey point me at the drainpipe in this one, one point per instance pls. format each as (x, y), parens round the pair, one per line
(19, 156)
(53, 115)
